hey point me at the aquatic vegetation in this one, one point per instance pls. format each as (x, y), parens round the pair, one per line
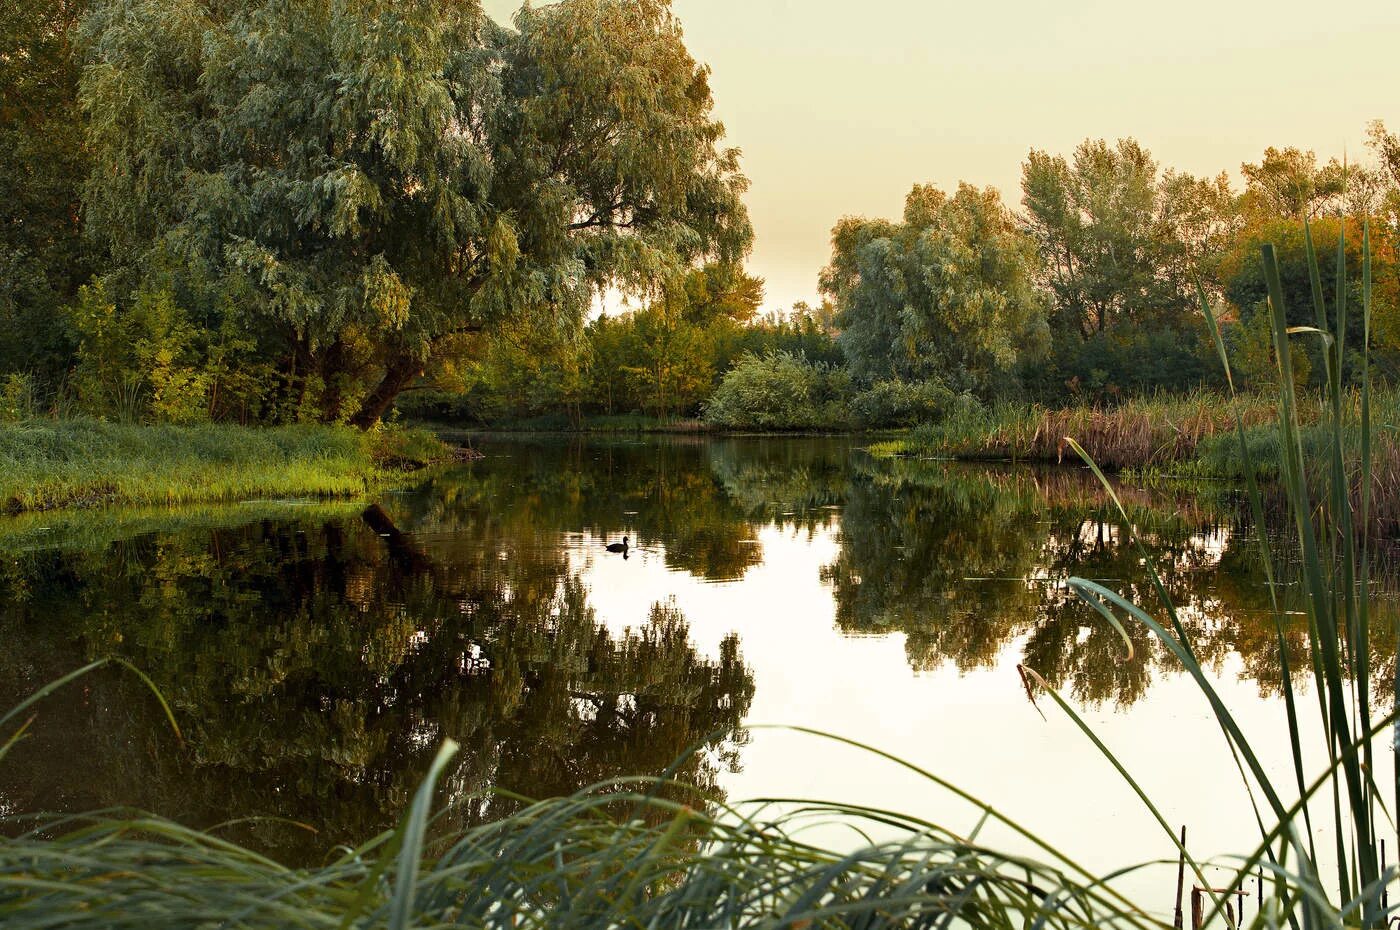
(1142, 431)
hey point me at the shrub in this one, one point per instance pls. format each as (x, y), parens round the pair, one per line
(778, 391)
(17, 398)
(908, 403)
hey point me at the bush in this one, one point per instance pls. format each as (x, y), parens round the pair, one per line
(779, 391)
(908, 403)
(17, 398)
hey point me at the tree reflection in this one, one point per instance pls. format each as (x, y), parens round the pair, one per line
(971, 562)
(699, 502)
(317, 662)
(316, 669)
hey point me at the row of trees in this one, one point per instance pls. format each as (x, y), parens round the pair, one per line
(662, 359)
(273, 210)
(287, 209)
(1087, 294)
(1091, 290)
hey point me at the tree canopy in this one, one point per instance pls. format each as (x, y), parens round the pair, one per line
(372, 180)
(946, 294)
(42, 162)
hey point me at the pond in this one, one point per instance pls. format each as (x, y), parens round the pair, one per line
(315, 655)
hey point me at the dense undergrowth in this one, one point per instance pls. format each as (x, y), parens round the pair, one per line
(82, 463)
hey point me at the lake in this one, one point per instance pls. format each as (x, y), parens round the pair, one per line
(315, 655)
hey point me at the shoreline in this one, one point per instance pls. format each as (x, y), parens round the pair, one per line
(48, 465)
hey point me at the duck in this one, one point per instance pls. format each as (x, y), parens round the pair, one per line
(619, 547)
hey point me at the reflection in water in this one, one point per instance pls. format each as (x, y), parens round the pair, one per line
(969, 562)
(317, 668)
(317, 662)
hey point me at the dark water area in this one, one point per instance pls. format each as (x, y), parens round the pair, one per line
(316, 656)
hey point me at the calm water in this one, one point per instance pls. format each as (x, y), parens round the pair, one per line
(316, 655)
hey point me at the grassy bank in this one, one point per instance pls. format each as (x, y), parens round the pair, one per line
(83, 463)
(1160, 439)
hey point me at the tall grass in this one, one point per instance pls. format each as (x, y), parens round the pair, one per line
(47, 463)
(626, 854)
(1347, 885)
(1220, 458)
(1139, 432)
(570, 862)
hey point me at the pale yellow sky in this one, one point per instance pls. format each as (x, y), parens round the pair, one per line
(841, 106)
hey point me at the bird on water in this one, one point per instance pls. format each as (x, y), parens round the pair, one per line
(619, 547)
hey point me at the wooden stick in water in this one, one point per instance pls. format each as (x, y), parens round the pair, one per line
(1180, 877)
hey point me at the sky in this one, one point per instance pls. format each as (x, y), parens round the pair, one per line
(841, 106)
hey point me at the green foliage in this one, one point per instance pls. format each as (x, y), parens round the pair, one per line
(43, 160)
(945, 294)
(1121, 247)
(1289, 184)
(779, 391)
(901, 403)
(373, 181)
(658, 362)
(1110, 367)
(1246, 289)
(1119, 244)
(139, 363)
(718, 292)
(17, 400)
(299, 211)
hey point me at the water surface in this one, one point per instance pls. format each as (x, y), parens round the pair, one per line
(316, 655)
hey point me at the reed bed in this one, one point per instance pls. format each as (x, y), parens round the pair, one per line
(83, 463)
(1220, 458)
(1147, 431)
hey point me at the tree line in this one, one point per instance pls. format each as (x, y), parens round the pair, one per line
(1088, 294)
(293, 210)
(289, 209)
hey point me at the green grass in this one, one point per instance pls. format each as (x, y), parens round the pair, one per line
(46, 464)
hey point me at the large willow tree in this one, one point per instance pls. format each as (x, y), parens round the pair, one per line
(358, 184)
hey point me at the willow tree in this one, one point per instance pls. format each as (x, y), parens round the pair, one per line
(946, 294)
(364, 182)
(42, 255)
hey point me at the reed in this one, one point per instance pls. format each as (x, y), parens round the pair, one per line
(1144, 431)
(1348, 884)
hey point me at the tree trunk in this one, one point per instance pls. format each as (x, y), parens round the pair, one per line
(398, 374)
(333, 399)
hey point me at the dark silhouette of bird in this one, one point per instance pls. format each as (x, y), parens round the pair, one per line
(619, 547)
